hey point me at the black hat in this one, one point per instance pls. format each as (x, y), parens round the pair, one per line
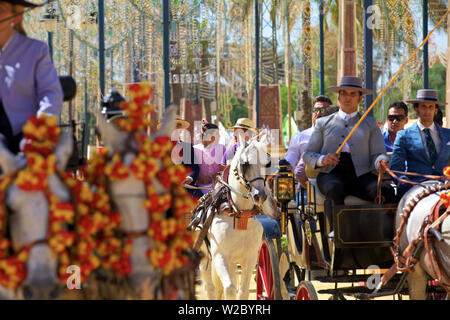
(22, 3)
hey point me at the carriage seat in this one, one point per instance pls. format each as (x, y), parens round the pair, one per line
(319, 198)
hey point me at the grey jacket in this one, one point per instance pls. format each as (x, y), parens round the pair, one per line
(366, 144)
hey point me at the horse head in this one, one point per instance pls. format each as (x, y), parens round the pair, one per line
(129, 194)
(28, 216)
(247, 173)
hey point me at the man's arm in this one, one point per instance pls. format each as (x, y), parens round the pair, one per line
(377, 148)
(294, 153)
(399, 154)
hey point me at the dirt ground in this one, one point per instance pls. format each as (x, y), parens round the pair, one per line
(317, 285)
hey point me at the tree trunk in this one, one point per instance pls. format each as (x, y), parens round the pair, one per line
(306, 103)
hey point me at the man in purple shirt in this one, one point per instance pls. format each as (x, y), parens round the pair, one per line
(29, 83)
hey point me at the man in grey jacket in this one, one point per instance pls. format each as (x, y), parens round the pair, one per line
(350, 172)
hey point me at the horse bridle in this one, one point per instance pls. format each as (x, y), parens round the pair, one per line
(241, 175)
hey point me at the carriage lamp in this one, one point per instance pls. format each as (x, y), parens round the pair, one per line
(50, 19)
(111, 104)
(284, 185)
(284, 189)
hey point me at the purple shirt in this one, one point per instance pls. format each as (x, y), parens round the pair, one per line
(229, 153)
(29, 83)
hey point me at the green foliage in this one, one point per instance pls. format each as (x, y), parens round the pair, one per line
(239, 109)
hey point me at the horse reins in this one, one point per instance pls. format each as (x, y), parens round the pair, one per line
(393, 173)
(406, 260)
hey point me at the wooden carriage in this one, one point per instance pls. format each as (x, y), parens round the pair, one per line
(299, 247)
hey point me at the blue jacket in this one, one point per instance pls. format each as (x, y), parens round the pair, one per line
(409, 153)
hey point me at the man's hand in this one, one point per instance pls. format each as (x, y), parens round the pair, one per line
(382, 163)
(188, 180)
(330, 159)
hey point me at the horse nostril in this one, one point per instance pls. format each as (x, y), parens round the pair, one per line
(55, 291)
(27, 291)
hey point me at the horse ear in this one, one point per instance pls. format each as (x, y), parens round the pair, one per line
(110, 134)
(168, 123)
(263, 137)
(8, 161)
(64, 149)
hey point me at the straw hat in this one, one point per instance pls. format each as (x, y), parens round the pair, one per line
(427, 96)
(184, 124)
(179, 120)
(244, 123)
(350, 83)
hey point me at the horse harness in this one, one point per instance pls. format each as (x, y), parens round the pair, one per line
(406, 260)
(218, 201)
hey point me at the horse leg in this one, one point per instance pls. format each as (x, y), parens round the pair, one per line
(223, 271)
(217, 284)
(206, 276)
(417, 283)
(246, 274)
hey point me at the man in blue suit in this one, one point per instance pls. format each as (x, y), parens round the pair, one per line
(424, 147)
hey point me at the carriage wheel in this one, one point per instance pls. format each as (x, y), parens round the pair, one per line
(287, 276)
(306, 291)
(267, 274)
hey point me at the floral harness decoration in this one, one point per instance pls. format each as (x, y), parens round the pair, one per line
(167, 227)
(69, 247)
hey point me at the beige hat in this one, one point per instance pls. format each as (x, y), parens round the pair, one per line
(184, 123)
(244, 123)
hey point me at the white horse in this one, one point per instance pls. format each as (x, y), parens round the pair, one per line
(128, 195)
(228, 245)
(423, 270)
(28, 221)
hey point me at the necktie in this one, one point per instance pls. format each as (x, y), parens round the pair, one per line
(347, 118)
(430, 145)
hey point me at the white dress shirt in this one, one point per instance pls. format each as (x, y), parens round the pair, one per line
(297, 146)
(434, 135)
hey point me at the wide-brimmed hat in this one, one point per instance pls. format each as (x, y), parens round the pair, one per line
(427, 96)
(184, 124)
(244, 123)
(352, 83)
(179, 120)
(21, 3)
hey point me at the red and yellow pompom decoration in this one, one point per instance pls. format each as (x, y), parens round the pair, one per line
(12, 267)
(138, 109)
(166, 211)
(445, 197)
(42, 134)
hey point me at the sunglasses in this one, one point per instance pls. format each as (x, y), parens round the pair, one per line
(318, 109)
(393, 117)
